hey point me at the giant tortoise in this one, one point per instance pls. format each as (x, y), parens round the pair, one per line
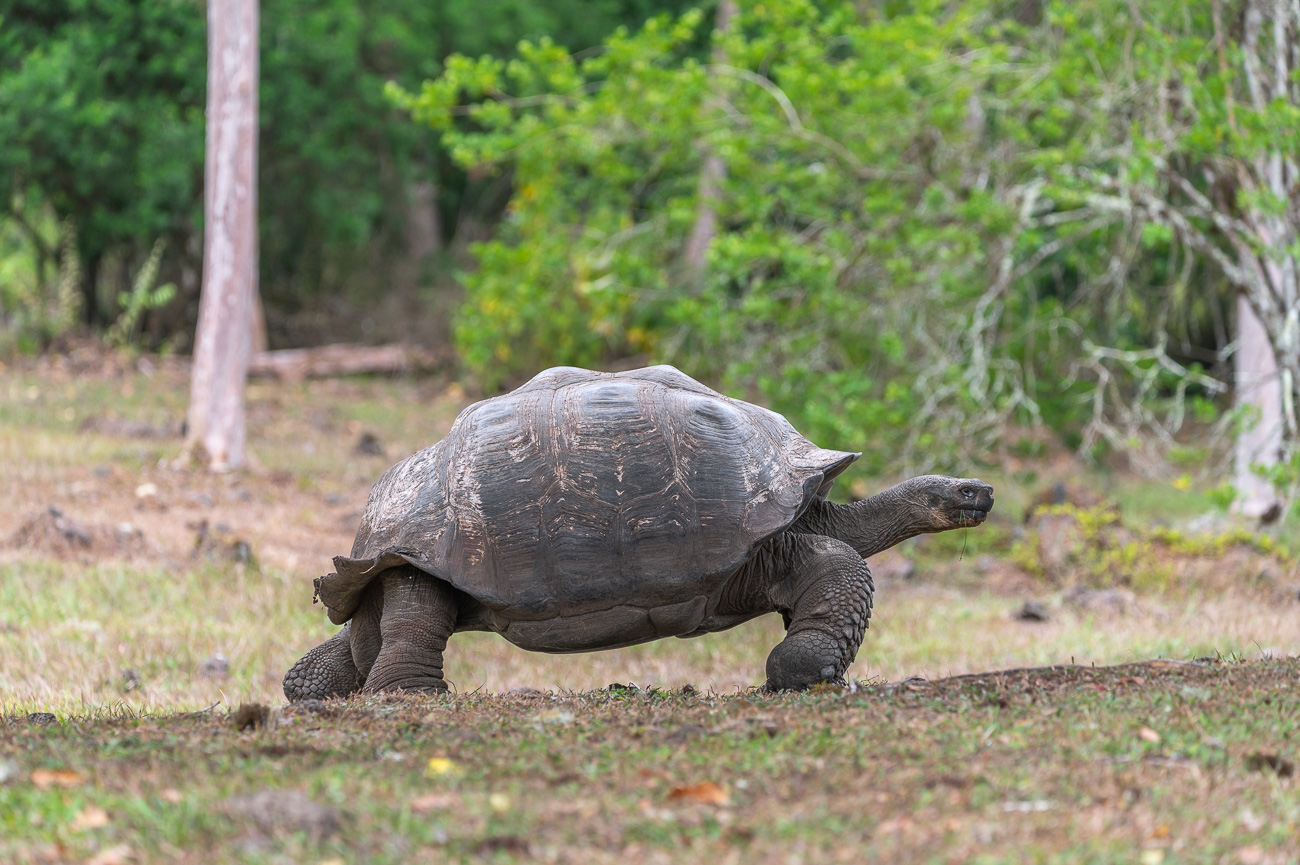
(591, 510)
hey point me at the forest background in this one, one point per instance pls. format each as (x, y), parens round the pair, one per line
(950, 231)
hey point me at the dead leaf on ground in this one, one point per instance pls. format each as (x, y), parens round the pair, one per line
(440, 766)
(432, 802)
(1146, 734)
(1252, 854)
(118, 854)
(704, 793)
(894, 824)
(90, 817)
(44, 779)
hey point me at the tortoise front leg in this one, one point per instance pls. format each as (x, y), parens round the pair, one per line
(326, 671)
(419, 615)
(824, 589)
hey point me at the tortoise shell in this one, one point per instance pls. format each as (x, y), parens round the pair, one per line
(587, 509)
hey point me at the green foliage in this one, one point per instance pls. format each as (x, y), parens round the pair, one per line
(839, 260)
(876, 276)
(143, 296)
(39, 300)
(102, 117)
(1222, 496)
(908, 249)
(1094, 546)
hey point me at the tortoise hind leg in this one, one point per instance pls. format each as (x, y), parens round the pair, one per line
(826, 595)
(419, 615)
(326, 671)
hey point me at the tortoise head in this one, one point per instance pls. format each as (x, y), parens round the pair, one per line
(943, 503)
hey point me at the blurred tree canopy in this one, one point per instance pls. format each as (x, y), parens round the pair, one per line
(928, 225)
(101, 118)
(101, 121)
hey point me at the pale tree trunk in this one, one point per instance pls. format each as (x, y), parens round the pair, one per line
(1259, 398)
(713, 171)
(1268, 357)
(221, 349)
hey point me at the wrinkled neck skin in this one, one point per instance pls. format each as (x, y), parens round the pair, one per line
(873, 524)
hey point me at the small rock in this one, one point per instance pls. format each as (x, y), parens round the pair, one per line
(1034, 611)
(684, 734)
(1106, 601)
(1061, 493)
(275, 811)
(9, 771)
(216, 667)
(42, 719)
(217, 543)
(71, 532)
(369, 445)
(525, 691)
(146, 491)
(512, 844)
(250, 716)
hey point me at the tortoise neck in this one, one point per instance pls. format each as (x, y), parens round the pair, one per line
(869, 526)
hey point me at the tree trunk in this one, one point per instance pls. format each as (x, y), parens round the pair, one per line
(221, 347)
(713, 171)
(1259, 394)
(1266, 362)
(423, 222)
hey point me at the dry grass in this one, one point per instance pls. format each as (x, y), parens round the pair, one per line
(87, 627)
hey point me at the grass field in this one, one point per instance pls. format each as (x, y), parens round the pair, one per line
(155, 599)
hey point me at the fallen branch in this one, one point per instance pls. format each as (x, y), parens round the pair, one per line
(296, 364)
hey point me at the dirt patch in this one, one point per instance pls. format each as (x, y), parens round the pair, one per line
(278, 811)
(54, 533)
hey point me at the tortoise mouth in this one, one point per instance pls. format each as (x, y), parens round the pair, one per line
(970, 517)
